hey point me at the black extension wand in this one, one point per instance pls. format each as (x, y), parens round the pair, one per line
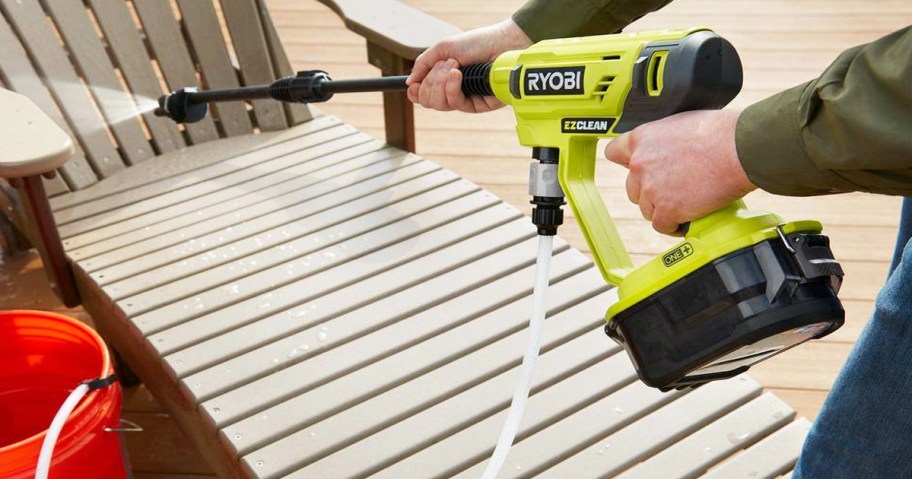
(188, 105)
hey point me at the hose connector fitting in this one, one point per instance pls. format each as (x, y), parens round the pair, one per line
(547, 194)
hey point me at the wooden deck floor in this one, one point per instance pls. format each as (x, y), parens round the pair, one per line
(782, 43)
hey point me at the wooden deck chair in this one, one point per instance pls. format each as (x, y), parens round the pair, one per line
(307, 301)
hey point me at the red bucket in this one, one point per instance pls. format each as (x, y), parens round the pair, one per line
(44, 356)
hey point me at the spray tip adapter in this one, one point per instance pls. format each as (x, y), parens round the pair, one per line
(180, 107)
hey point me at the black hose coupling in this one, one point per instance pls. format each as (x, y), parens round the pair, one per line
(178, 106)
(547, 195)
(304, 87)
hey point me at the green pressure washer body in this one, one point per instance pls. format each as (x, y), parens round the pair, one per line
(740, 287)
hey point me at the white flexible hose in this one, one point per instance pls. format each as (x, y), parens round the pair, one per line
(50, 440)
(521, 394)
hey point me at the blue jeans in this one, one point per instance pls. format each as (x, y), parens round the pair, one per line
(864, 429)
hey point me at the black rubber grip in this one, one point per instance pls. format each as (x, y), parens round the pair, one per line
(476, 80)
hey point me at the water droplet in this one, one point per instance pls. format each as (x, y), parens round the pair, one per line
(259, 463)
(601, 451)
(737, 438)
(618, 410)
(518, 467)
(197, 385)
(275, 360)
(322, 336)
(324, 328)
(179, 362)
(264, 417)
(237, 436)
(709, 449)
(264, 305)
(215, 410)
(607, 446)
(313, 434)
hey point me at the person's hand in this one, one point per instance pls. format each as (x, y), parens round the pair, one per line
(682, 167)
(436, 81)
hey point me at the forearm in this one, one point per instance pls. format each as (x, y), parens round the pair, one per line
(848, 130)
(544, 19)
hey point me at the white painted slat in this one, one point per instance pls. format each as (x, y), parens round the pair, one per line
(18, 74)
(772, 456)
(405, 317)
(499, 244)
(201, 24)
(169, 165)
(652, 433)
(319, 143)
(370, 254)
(416, 344)
(584, 428)
(261, 257)
(164, 38)
(156, 230)
(249, 42)
(128, 50)
(383, 365)
(53, 65)
(611, 379)
(415, 423)
(696, 453)
(87, 51)
(213, 241)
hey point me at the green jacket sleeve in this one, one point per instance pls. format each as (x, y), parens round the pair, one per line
(848, 130)
(544, 19)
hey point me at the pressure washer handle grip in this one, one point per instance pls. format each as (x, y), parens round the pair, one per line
(476, 79)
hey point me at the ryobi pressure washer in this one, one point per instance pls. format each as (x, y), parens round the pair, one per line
(739, 288)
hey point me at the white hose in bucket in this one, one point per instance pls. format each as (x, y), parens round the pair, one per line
(50, 439)
(521, 393)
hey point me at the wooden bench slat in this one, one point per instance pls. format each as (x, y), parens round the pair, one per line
(170, 49)
(398, 314)
(559, 440)
(126, 46)
(17, 74)
(368, 374)
(276, 387)
(370, 254)
(249, 41)
(103, 212)
(433, 406)
(656, 431)
(205, 36)
(274, 335)
(772, 456)
(696, 453)
(207, 213)
(261, 255)
(36, 36)
(87, 52)
(610, 380)
(179, 162)
(296, 112)
(183, 168)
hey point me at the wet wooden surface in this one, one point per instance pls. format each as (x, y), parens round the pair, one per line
(782, 44)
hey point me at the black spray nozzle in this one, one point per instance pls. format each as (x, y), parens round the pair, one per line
(180, 106)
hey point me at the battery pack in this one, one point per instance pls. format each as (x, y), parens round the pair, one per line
(733, 312)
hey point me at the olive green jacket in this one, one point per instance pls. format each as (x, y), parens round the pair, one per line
(848, 130)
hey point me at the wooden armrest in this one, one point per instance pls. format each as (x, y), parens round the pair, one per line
(398, 28)
(32, 143)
